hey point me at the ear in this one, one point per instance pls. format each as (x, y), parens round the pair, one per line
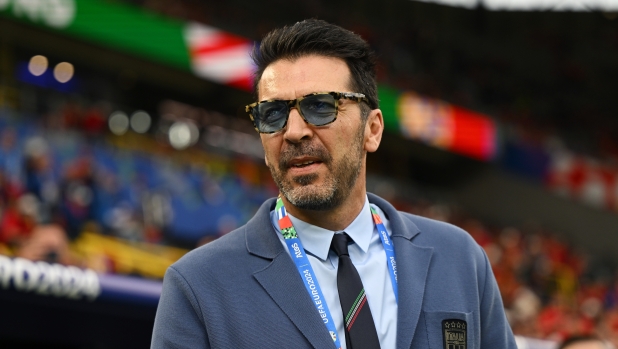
(373, 130)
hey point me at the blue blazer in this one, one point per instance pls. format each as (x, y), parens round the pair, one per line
(243, 291)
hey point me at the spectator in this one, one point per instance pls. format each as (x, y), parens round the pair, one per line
(47, 243)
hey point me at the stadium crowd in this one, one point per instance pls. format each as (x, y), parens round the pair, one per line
(59, 177)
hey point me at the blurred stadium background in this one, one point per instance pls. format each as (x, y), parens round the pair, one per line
(123, 145)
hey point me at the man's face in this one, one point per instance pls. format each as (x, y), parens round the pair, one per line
(315, 167)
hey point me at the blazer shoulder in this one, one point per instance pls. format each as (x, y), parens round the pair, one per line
(436, 233)
(228, 247)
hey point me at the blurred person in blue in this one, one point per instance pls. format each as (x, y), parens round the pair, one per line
(326, 264)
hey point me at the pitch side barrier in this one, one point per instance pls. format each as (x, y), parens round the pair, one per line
(69, 282)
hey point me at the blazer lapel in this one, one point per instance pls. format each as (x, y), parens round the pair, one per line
(412, 270)
(412, 273)
(288, 291)
(281, 281)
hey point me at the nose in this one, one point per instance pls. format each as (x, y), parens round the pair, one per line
(296, 129)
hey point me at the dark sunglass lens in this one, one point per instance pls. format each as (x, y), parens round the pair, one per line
(319, 109)
(270, 116)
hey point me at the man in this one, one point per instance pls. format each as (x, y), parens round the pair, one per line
(316, 268)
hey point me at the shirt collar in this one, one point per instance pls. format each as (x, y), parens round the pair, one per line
(317, 240)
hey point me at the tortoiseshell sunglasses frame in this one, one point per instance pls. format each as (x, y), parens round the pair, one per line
(293, 103)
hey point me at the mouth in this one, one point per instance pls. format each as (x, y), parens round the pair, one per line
(304, 163)
(303, 159)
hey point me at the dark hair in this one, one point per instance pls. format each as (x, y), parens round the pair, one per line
(579, 338)
(317, 37)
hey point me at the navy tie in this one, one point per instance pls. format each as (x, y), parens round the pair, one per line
(360, 330)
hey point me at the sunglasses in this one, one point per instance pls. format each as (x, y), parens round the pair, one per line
(317, 109)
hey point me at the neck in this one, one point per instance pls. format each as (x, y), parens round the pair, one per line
(334, 219)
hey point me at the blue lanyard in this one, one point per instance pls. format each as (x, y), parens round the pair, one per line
(387, 243)
(306, 271)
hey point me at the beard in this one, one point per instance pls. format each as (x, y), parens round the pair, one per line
(301, 191)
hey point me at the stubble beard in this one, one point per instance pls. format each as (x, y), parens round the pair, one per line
(337, 185)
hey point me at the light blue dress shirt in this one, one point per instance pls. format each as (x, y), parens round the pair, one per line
(369, 258)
